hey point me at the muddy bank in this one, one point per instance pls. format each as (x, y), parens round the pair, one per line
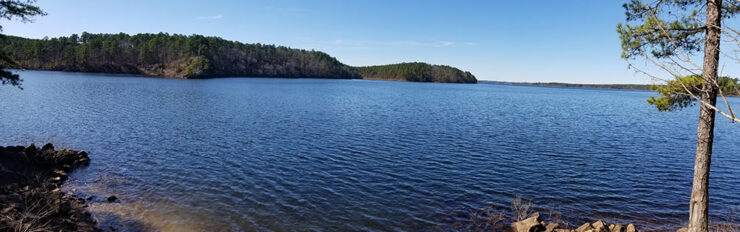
(30, 198)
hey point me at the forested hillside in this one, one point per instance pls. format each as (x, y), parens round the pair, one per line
(197, 56)
(171, 56)
(418, 72)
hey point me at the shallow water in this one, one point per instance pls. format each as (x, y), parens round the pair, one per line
(309, 154)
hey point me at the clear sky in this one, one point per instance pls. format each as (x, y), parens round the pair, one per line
(543, 41)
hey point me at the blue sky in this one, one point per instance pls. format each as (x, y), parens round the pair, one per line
(564, 41)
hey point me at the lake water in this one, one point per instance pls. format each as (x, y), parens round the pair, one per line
(346, 155)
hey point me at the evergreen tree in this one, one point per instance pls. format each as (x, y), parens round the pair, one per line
(671, 31)
(11, 10)
(197, 56)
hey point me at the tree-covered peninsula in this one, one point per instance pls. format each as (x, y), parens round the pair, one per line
(197, 56)
(421, 72)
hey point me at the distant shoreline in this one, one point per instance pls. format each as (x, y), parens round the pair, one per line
(635, 87)
(642, 87)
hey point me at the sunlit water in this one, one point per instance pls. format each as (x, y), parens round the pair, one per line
(339, 155)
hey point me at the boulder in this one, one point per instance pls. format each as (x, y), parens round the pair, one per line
(683, 230)
(531, 224)
(48, 146)
(615, 228)
(60, 172)
(584, 227)
(551, 227)
(599, 226)
(111, 198)
(31, 150)
(631, 228)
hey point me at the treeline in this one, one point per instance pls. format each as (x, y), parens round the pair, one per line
(197, 56)
(162, 54)
(728, 85)
(417, 72)
(571, 85)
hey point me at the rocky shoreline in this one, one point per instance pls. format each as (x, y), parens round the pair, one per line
(30, 197)
(534, 224)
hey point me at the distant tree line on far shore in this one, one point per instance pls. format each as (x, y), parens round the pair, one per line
(420, 72)
(197, 56)
(729, 86)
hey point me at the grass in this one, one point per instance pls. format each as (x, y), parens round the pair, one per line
(32, 216)
(520, 210)
(726, 224)
(488, 219)
(493, 219)
(33, 202)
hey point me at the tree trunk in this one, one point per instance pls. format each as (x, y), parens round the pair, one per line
(699, 206)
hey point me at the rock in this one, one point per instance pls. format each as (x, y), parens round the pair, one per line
(599, 226)
(111, 198)
(82, 154)
(615, 228)
(584, 227)
(562, 230)
(28, 173)
(531, 224)
(60, 173)
(83, 161)
(30, 150)
(631, 228)
(48, 146)
(683, 230)
(551, 227)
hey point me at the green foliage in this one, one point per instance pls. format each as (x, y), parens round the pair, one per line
(198, 66)
(663, 26)
(6, 61)
(659, 29)
(417, 72)
(729, 86)
(174, 55)
(198, 56)
(19, 9)
(9, 10)
(674, 95)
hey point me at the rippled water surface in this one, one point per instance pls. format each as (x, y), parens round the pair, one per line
(306, 154)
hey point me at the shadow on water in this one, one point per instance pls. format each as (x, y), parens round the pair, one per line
(115, 222)
(128, 212)
(125, 216)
